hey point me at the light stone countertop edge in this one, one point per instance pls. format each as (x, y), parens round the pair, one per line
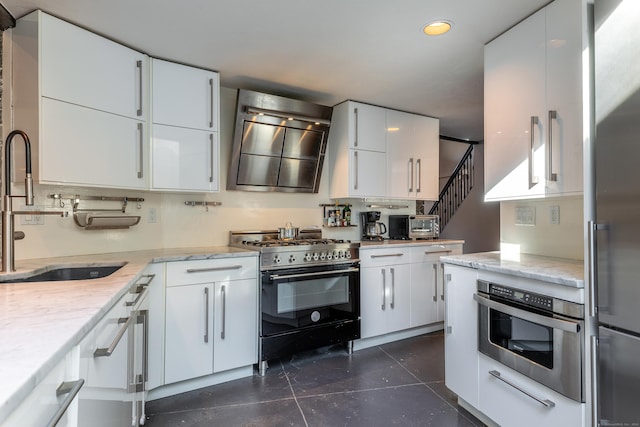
(372, 244)
(40, 324)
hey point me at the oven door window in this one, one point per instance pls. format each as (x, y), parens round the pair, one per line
(527, 339)
(312, 293)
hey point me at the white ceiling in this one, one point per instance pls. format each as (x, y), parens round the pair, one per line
(324, 51)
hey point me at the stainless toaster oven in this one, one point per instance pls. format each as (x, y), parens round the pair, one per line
(411, 227)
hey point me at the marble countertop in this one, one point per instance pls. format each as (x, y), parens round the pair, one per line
(40, 322)
(561, 271)
(372, 244)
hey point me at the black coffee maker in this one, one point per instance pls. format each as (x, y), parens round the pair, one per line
(372, 229)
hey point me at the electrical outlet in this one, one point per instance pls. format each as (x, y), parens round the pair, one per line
(153, 216)
(525, 215)
(31, 219)
(554, 214)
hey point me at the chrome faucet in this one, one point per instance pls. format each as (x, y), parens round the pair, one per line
(8, 234)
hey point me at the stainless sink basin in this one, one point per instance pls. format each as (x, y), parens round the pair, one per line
(66, 273)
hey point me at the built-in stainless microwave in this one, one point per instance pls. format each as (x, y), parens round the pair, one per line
(410, 227)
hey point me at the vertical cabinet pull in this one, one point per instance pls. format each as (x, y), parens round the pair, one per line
(533, 180)
(355, 112)
(71, 389)
(140, 151)
(442, 278)
(223, 293)
(206, 315)
(393, 288)
(384, 288)
(211, 147)
(211, 103)
(355, 161)
(550, 175)
(411, 175)
(418, 175)
(435, 282)
(139, 67)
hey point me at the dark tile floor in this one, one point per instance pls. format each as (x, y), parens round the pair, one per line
(400, 383)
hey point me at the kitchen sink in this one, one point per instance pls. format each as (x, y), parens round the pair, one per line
(67, 273)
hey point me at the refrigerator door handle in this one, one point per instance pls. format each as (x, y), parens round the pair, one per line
(594, 380)
(598, 289)
(591, 233)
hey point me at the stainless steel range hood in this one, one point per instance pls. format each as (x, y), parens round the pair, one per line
(278, 144)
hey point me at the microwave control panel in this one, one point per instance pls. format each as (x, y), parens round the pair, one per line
(527, 298)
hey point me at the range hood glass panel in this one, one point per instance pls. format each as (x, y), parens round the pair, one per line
(262, 139)
(302, 144)
(296, 173)
(258, 170)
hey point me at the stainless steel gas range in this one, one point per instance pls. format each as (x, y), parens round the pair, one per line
(310, 291)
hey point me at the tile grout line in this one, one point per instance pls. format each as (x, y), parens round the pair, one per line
(295, 398)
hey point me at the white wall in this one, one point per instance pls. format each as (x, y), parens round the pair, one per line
(564, 240)
(179, 225)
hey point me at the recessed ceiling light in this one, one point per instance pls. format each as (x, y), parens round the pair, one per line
(438, 27)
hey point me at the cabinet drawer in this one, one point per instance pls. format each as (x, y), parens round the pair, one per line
(211, 270)
(433, 252)
(386, 256)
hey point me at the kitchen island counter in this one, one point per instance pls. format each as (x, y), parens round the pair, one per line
(40, 322)
(561, 271)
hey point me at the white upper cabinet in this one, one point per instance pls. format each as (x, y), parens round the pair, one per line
(533, 106)
(184, 137)
(82, 101)
(412, 156)
(377, 152)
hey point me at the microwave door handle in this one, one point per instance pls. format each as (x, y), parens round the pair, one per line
(526, 315)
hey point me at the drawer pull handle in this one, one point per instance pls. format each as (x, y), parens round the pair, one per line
(106, 352)
(438, 252)
(71, 389)
(386, 255)
(546, 402)
(205, 270)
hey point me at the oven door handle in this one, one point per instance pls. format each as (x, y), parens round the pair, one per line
(319, 273)
(526, 315)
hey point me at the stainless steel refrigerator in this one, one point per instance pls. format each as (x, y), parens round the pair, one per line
(617, 202)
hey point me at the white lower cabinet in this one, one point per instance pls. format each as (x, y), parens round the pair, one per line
(211, 322)
(509, 404)
(461, 332)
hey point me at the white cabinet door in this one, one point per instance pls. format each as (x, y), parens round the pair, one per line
(368, 129)
(83, 68)
(235, 324)
(185, 159)
(189, 332)
(373, 304)
(427, 153)
(367, 175)
(398, 297)
(461, 333)
(514, 107)
(424, 293)
(83, 146)
(184, 96)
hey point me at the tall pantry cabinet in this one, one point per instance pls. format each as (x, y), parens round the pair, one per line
(533, 105)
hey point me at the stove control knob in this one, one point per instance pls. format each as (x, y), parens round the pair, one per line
(292, 258)
(341, 254)
(307, 257)
(348, 254)
(277, 259)
(330, 255)
(316, 256)
(323, 256)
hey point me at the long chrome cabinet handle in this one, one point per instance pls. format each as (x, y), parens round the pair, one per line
(355, 112)
(526, 315)
(106, 352)
(553, 114)
(438, 252)
(355, 170)
(139, 67)
(411, 175)
(386, 255)
(206, 315)
(435, 282)
(419, 175)
(208, 269)
(546, 402)
(591, 237)
(71, 389)
(533, 180)
(212, 159)
(393, 288)
(149, 278)
(211, 104)
(384, 288)
(223, 293)
(594, 380)
(140, 291)
(442, 279)
(319, 273)
(141, 151)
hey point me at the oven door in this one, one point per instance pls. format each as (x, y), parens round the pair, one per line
(293, 299)
(543, 346)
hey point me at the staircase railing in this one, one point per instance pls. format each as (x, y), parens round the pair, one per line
(455, 190)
